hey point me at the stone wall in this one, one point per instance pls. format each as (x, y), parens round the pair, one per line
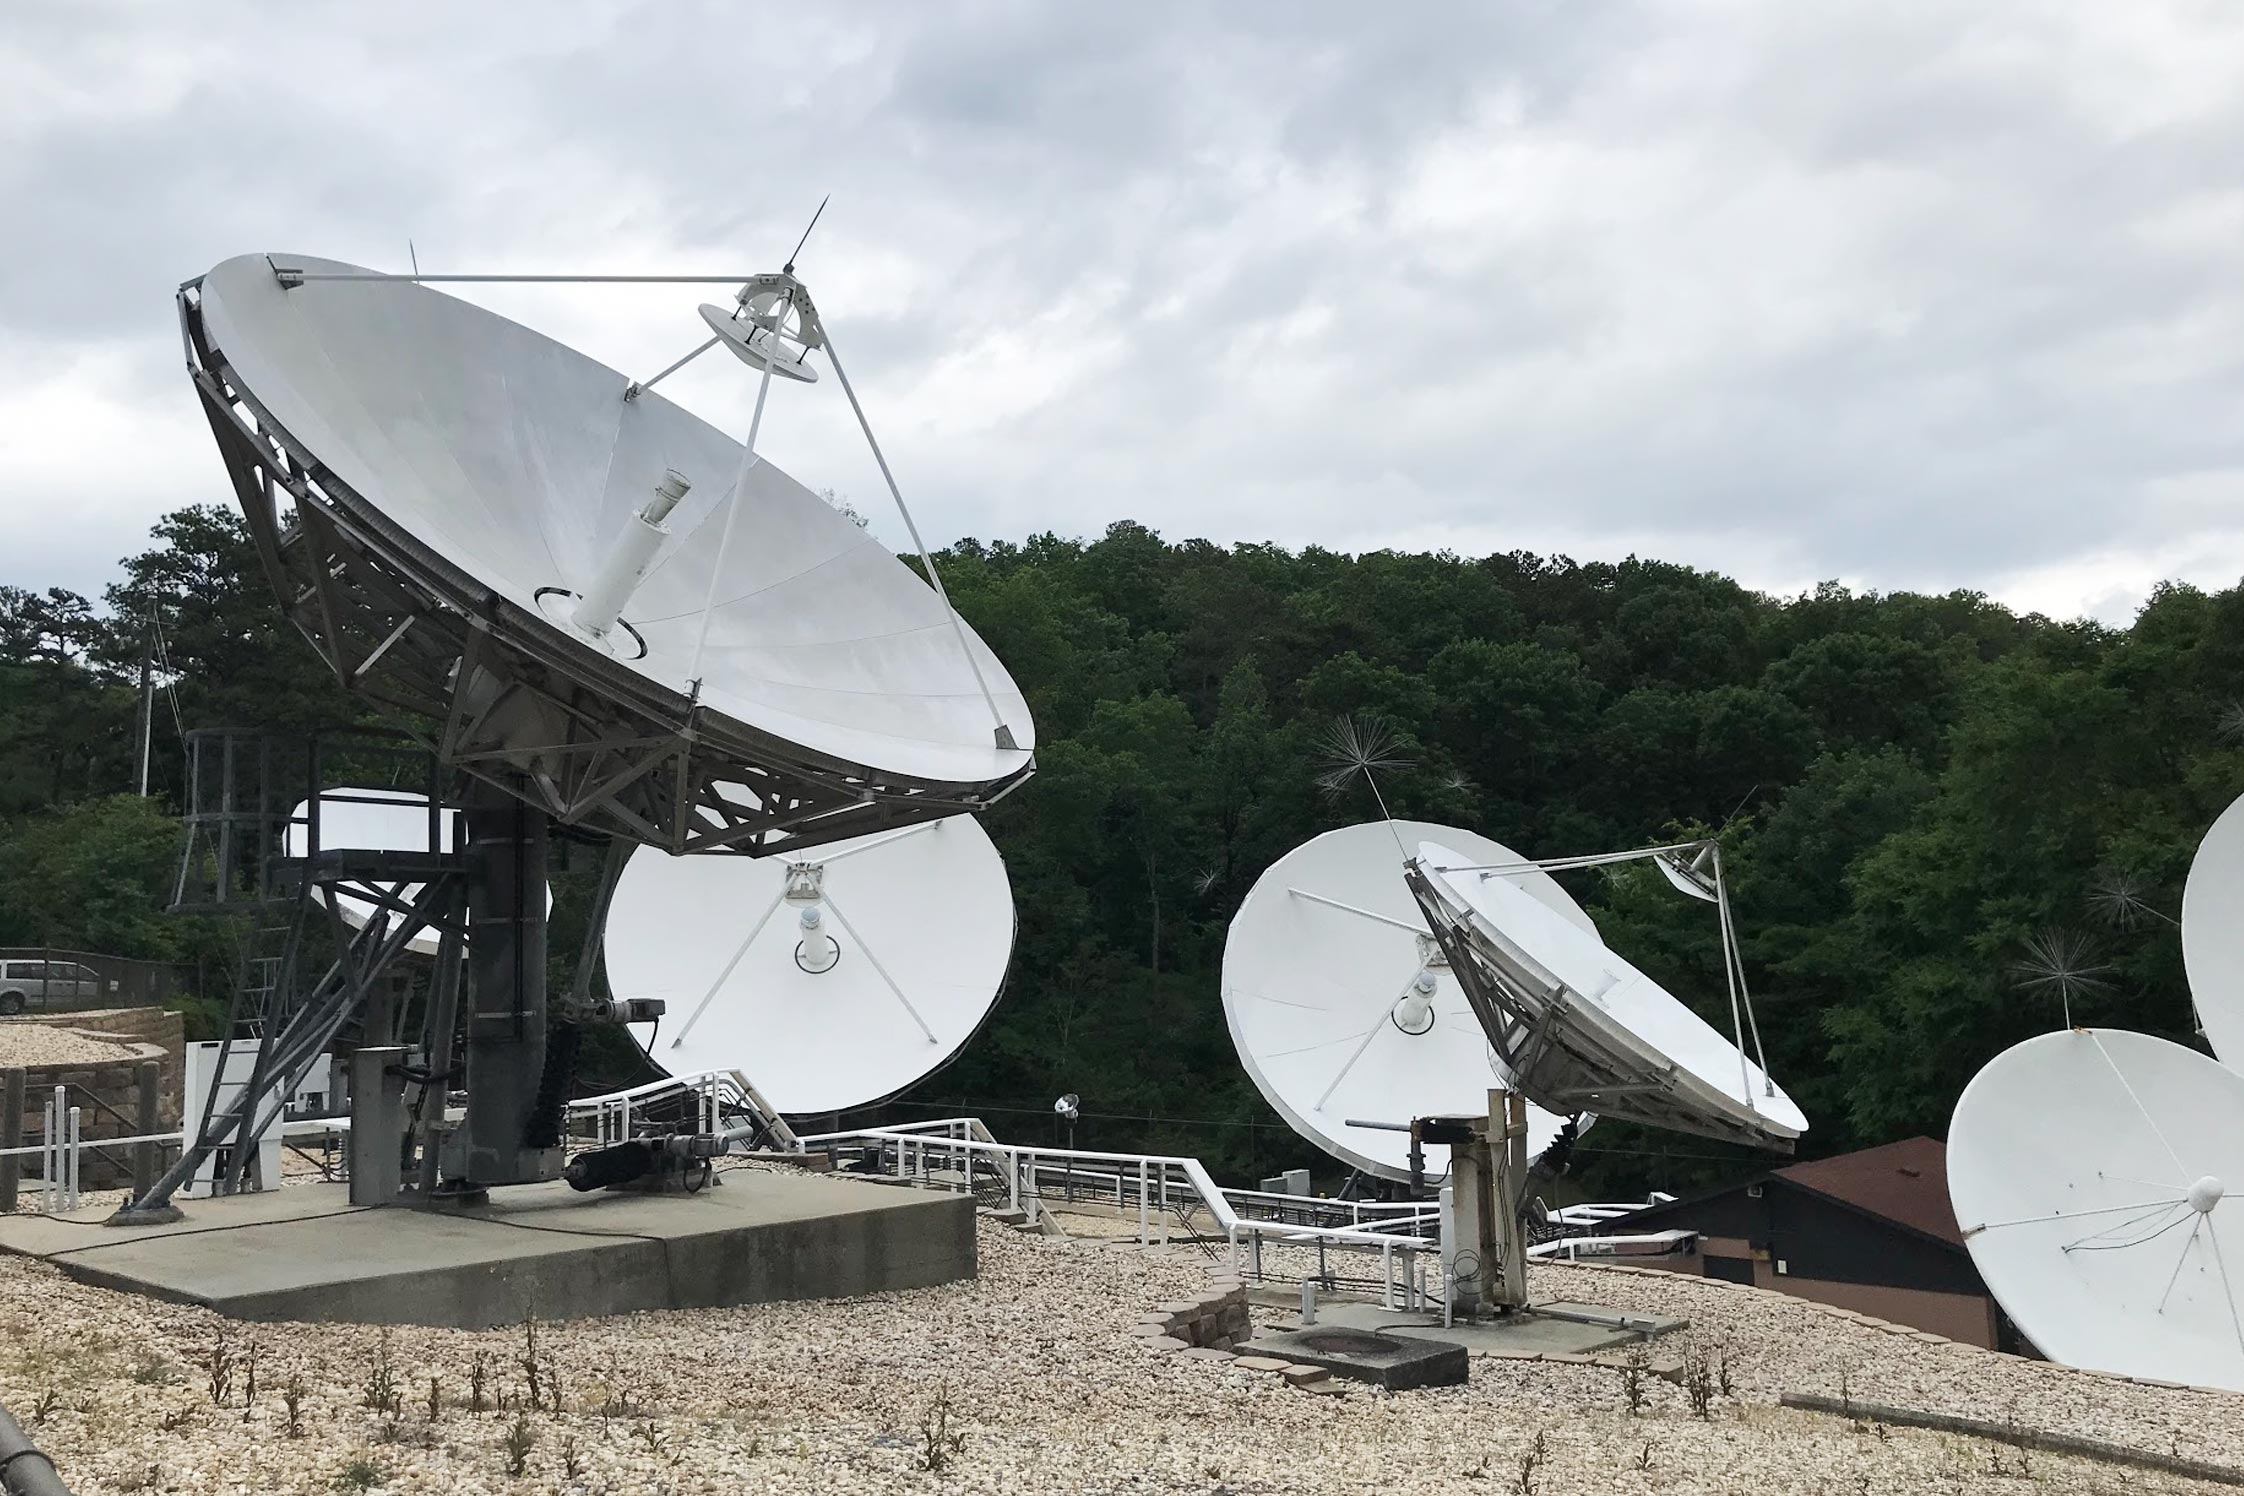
(107, 1095)
(167, 1030)
(1216, 1320)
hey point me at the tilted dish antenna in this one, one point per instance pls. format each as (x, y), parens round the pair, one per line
(1580, 1028)
(2213, 934)
(834, 982)
(1344, 1010)
(610, 607)
(2089, 1170)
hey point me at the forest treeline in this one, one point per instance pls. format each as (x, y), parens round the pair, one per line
(1946, 824)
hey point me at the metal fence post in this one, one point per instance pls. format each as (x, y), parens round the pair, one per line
(144, 1123)
(1145, 1206)
(70, 1198)
(11, 1136)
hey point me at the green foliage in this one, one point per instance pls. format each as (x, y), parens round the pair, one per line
(1912, 793)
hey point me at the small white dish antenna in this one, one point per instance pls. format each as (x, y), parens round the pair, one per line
(1597, 1034)
(2213, 934)
(2088, 1170)
(750, 342)
(834, 980)
(376, 820)
(1342, 1009)
(1689, 874)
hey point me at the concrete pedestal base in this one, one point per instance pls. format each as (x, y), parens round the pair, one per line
(304, 1253)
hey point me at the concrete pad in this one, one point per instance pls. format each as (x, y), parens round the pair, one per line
(1543, 1332)
(1397, 1363)
(304, 1253)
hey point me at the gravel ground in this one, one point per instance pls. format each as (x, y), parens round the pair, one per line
(30, 1041)
(1033, 1365)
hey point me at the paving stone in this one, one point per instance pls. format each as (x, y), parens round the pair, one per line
(1260, 1363)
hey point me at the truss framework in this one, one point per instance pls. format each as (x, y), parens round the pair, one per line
(500, 697)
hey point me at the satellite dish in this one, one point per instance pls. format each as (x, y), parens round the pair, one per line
(2088, 1170)
(465, 489)
(2213, 934)
(377, 820)
(834, 983)
(1592, 1032)
(749, 343)
(1336, 1010)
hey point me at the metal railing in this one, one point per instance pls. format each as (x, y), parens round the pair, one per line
(959, 1153)
(61, 1146)
(718, 1101)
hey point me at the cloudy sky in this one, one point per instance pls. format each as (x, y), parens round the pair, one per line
(1911, 295)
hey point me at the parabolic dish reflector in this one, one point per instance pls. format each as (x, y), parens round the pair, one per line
(2087, 1169)
(1310, 989)
(1593, 1033)
(377, 820)
(2213, 934)
(460, 479)
(921, 929)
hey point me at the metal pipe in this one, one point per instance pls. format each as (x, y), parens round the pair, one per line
(25, 1469)
(289, 274)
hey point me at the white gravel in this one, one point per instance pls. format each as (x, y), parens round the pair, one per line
(1049, 1390)
(25, 1041)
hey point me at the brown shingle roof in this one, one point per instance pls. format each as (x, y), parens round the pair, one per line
(1905, 1181)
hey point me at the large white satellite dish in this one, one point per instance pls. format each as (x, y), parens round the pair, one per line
(2088, 1169)
(377, 820)
(1337, 1013)
(833, 982)
(462, 483)
(2213, 934)
(1589, 1031)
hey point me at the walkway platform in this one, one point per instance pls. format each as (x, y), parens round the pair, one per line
(305, 1253)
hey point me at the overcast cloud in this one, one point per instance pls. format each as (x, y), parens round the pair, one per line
(1915, 296)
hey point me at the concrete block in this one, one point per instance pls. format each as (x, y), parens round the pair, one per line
(301, 1254)
(1394, 1362)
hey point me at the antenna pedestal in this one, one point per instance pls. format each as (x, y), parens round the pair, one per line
(1484, 1247)
(512, 1132)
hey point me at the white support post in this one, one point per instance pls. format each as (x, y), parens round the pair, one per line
(1013, 1181)
(1145, 1206)
(71, 1202)
(49, 1132)
(1164, 1205)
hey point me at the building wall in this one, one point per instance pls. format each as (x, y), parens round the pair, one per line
(1832, 1255)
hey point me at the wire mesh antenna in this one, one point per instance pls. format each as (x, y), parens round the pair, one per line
(2061, 962)
(1350, 746)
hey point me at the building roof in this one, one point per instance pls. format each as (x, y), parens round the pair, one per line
(1905, 1182)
